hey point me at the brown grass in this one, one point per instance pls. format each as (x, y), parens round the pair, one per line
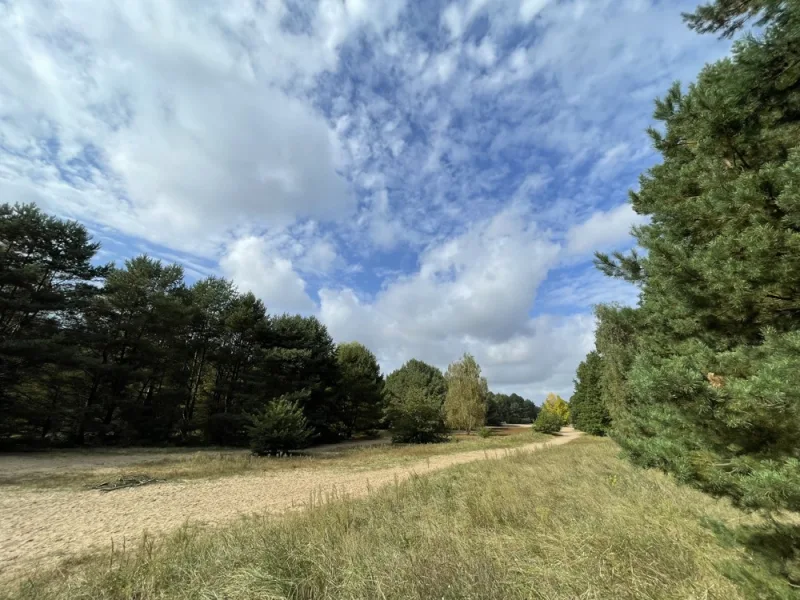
(43, 525)
(569, 522)
(82, 469)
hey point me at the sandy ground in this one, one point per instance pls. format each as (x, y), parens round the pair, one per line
(40, 527)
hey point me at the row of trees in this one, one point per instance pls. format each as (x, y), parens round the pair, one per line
(424, 404)
(94, 353)
(103, 354)
(701, 379)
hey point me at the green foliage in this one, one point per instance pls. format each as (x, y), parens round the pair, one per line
(360, 388)
(467, 391)
(228, 429)
(509, 408)
(700, 379)
(416, 418)
(414, 397)
(548, 422)
(484, 432)
(280, 428)
(46, 283)
(558, 406)
(131, 354)
(416, 374)
(586, 406)
(729, 16)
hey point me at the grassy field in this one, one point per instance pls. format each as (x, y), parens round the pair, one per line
(568, 522)
(227, 462)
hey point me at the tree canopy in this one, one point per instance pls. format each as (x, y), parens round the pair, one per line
(467, 391)
(106, 354)
(699, 379)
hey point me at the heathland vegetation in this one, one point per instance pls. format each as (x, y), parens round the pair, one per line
(698, 383)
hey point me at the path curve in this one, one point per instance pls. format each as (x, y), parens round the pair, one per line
(40, 527)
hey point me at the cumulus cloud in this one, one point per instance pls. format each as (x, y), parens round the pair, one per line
(603, 229)
(254, 267)
(435, 173)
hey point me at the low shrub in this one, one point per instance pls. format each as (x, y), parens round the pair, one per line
(548, 422)
(280, 428)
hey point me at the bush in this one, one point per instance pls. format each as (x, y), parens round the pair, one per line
(416, 418)
(227, 429)
(548, 422)
(279, 429)
(484, 432)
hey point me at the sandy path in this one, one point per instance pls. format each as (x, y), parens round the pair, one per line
(38, 527)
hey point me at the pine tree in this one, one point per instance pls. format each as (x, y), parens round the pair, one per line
(46, 281)
(587, 407)
(360, 388)
(703, 389)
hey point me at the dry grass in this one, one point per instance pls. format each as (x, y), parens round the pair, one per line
(568, 522)
(207, 464)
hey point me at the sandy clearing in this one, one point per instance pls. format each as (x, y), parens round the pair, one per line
(40, 527)
(26, 463)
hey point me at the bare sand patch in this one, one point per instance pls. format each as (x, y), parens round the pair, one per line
(40, 527)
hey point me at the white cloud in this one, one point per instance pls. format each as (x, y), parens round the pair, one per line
(603, 229)
(470, 293)
(453, 20)
(331, 143)
(255, 267)
(528, 9)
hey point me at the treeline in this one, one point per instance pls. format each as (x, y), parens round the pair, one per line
(99, 354)
(701, 379)
(121, 354)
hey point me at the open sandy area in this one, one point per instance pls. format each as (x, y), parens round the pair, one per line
(39, 527)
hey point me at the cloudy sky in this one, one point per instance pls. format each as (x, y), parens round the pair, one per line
(428, 178)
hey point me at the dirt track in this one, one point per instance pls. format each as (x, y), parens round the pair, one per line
(39, 527)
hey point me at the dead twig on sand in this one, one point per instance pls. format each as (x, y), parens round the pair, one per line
(128, 481)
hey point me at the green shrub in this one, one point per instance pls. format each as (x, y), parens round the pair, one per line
(280, 428)
(484, 432)
(548, 422)
(416, 418)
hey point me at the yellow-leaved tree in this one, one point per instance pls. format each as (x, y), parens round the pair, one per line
(467, 392)
(557, 405)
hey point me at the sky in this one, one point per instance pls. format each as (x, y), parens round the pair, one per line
(428, 178)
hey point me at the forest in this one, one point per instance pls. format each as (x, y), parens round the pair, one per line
(99, 354)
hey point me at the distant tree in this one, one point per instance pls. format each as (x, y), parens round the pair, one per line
(465, 402)
(509, 408)
(416, 417)
(548, 422)
(416, 373)
(300, 358)
(495, 413)
(414, 395)
(558, 406)
(586, 406)
(361, 388)
(280, 428)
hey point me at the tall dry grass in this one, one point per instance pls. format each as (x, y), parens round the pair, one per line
(568, 522)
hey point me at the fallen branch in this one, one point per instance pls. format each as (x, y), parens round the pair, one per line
(128, 481)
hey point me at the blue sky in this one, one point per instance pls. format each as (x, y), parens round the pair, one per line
(428, 178)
